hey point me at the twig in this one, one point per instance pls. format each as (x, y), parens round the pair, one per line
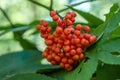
(75, 5)
(39, 4)
(4, 13)
(51, 4)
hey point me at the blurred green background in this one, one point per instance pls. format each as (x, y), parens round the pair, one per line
(24, 13)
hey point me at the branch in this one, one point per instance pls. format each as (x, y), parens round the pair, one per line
(39, 4)
(75, 5)
(51, 4)
(4, 13)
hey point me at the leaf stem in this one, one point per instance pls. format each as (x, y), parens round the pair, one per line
(75, 5)
(39, 4)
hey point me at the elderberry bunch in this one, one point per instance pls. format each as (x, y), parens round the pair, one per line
(66, 44)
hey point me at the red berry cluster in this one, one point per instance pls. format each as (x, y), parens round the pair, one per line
(66, 44)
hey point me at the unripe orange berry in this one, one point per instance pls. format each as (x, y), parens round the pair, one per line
(76, 57)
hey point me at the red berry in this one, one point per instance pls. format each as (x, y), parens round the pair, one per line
(66, 48)
(44, 23)
(57, 58)
(79, 50)
(45, 54)
(78, 27)
(64, 60)
(52, 13)
(55, 18)
(59, 30)
(92, 39)
(70, 61)
(77, 32)
(68, 16)
(48, 42)
(38, 27)
(86, 29)
(66, 44)
(73, 52)
(69, 22)
(84, 42)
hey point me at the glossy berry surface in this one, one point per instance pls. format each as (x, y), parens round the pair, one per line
(66, 44)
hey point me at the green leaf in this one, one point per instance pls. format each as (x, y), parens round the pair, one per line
(113, 10)
(22, 62)
(115, 33)
(19, 27)
(4, 28)
(108, 58)
(108, 72)
(99, 30)
(26, 45)
(89, 17)
(112, 20)
(59, 74)
(87, 70)
(31, 76)
(112, 45)
(113, 23)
